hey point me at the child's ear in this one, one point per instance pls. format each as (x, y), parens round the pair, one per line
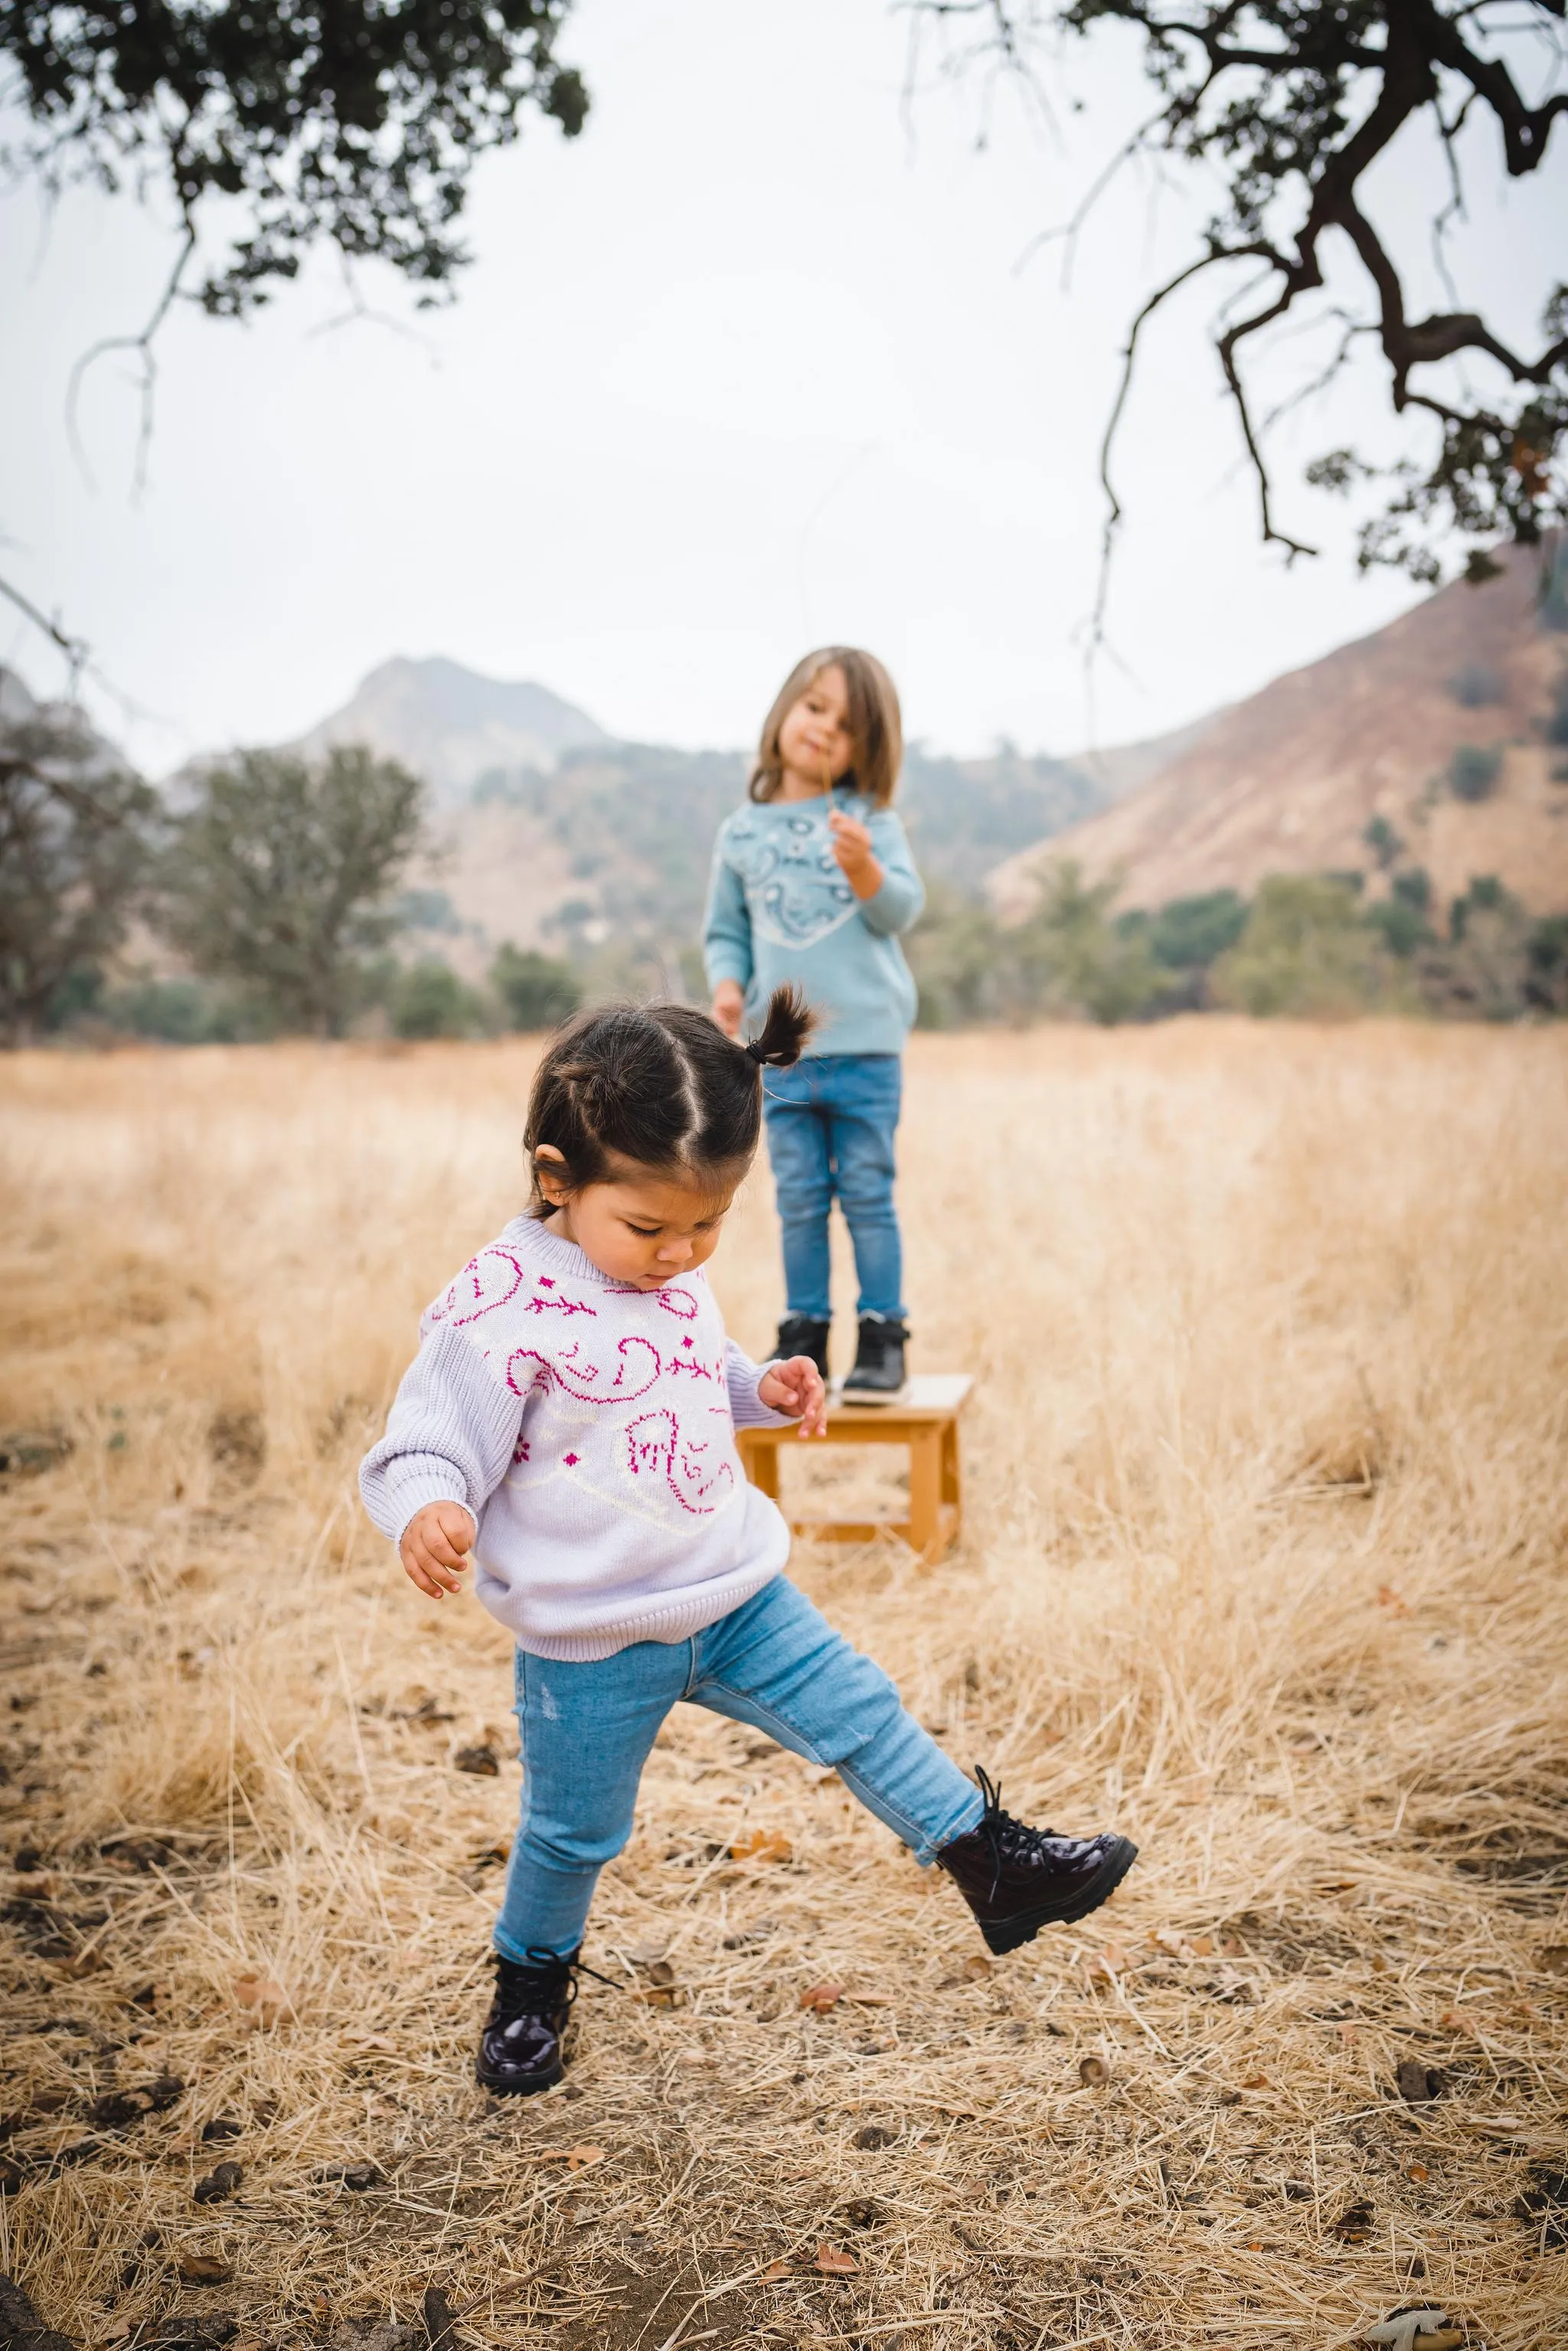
(549, 1173)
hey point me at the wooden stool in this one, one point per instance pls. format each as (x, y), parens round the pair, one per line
(925, 1418)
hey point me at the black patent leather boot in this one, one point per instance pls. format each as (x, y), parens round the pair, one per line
(519, 2048)
(804, 1334)
(1017, 1880)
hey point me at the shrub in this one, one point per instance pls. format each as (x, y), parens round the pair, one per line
(1403, 927)
(1472, 771)
(429, 1000)
(536, 991)
(186, 1012)
(1546, 964)
(1476, 685)
(1306, 950)
(1382, 841)
(1414, 888)
(1193, 933)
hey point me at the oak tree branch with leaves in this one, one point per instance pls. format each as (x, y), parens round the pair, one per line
(1293, 105)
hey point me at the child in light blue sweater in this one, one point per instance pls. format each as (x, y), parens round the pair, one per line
(813, 882)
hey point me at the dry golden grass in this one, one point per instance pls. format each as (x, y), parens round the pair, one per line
(1265, 1561)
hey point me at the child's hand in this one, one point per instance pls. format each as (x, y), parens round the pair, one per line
(851, 847)
(795, 1389)
(728, 1003)
(432, 1547)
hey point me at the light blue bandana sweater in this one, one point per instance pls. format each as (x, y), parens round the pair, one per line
(780, 908)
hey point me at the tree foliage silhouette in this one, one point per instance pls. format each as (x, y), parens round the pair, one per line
(1293, 105)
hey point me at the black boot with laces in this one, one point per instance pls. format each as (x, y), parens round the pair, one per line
(1017, 1880)
(520, 2049)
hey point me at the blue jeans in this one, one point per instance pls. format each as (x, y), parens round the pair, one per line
(831, 1122)
(774, 1662)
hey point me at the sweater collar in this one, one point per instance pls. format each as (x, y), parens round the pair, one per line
(569, 1263)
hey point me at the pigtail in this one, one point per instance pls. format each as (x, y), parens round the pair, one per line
(790, 1021)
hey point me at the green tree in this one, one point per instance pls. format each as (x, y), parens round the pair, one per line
(76, 834)
(536, 991)
(1473, 771)
(428, 999)
(1071, 957)
(1306, 950)
(279, 873)
(1483, 969)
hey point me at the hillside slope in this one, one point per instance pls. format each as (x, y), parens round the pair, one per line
(451, 725)
(1289, 780)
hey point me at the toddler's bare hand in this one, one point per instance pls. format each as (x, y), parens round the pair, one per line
(728, 1005)
(795, 1389)
(853, 849)
(434, 1546)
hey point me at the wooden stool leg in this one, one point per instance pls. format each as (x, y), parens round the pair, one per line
(952, 1476)
(926, 1492)
(759, 1458)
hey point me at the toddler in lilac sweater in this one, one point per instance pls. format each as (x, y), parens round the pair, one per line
(568, 1426)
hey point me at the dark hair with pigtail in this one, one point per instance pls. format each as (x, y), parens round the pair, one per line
(660, 1087)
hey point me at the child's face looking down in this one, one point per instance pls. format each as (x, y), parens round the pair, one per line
(641, 1229)
(815, 745)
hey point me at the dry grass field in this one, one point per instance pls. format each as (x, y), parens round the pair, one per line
(1266, 1562)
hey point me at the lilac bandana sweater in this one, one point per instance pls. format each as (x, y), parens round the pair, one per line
(589, 1428)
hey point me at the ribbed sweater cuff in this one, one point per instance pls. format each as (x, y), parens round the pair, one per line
(421, 1480)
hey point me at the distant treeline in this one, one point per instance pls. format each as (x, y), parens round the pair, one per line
(269, 897)
(1308, 945)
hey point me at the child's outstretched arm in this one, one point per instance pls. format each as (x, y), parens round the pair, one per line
(448, 1445)
(727, 943)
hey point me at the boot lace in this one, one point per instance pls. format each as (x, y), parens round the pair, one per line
(539, 1982)
(1009, 1839)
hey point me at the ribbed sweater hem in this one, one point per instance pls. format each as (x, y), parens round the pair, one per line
(677, 1620)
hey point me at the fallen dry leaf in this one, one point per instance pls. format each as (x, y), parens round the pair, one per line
(205, 2269)
(1390, 1599)
(1203, 1947)
(1554, 1958)
(834, 2263)
(575, 2158)
(762, 1845)
(1257, 2082)
(264, 1996)
(775, 2270)
(1092, 2071)
(1418, 2172)
(822, 1997)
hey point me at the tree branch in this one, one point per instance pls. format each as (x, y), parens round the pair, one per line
(142, 344)
(75, 649)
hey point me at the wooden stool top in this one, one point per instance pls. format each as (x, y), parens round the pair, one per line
(929, 1398)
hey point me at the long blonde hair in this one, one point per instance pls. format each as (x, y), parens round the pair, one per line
(876, 725)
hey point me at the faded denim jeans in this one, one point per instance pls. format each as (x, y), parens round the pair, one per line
(830, 1123)
(775, 1662)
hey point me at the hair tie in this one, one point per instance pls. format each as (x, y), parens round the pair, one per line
(757, 1051)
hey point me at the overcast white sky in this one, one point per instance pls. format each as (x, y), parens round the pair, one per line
(748, 367)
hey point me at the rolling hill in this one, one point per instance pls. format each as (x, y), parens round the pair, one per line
(452, 725)
(549, 833)
(1290, 780)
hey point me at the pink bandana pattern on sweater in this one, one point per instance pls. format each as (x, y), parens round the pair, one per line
(622, 1391)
